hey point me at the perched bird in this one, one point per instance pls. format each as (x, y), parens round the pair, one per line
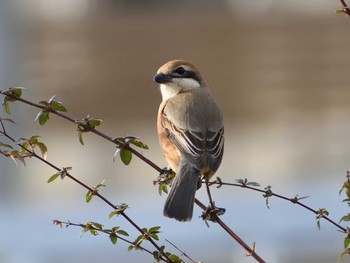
(191, 134)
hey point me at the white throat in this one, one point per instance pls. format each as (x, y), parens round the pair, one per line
(171, 89)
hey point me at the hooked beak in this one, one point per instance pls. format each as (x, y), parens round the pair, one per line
(162, 78)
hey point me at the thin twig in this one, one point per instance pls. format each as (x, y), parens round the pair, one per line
(67, 224)
(293, 200)
(91, 129)
(96, 193)
(346, 9)
(232, 234)
(182, 252)
(143, 158)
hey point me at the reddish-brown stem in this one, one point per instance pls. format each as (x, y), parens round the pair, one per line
(96, 193)
(232, 234)
(345, 7)
(293, 200)
(103, 231)
(143, 158)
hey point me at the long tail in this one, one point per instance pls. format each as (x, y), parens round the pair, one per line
(179, 204)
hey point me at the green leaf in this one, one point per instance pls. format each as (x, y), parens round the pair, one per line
(16, 155)
(119, 139)
(80, 134)
(162, 188)
(131, 247)
(122, 232)
(44, 103)
(345, 218)
(5, 145)
(139, 144)
(89, 196)
(340, 11)
(17, 91)
(154, 229)
(94, 232)
(42, 116)
(136, 244)
(346, 187)
(268, 193)
(346, 242)
(139, 240)
(57, 106)
(6, 106)
(97, 225)
(94, 122)
(102, 184)
(346, 252)
(174, 258)
(321, 212)
(115, 228)
(7, 119)
(43, 149)
(125, 156)
(155, 236)
(113, 238)
(53, 177)
(120, 208)
(113, 213)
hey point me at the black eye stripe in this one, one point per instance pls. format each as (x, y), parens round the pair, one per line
(180, 72)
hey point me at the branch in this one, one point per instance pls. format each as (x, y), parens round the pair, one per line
(85, 126)
(294, 200)
(182, 252)
(346, 9)
(90, 226)
(14, 97)
(65, 173)
(249, 250)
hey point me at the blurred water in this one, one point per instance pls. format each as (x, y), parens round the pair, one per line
(280, 75)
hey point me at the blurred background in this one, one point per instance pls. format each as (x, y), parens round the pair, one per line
(279, 70)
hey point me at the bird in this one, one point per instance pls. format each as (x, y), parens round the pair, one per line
(191, 134)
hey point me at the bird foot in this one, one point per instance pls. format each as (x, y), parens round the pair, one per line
(166, 176)
(166, 171)
(212, 212)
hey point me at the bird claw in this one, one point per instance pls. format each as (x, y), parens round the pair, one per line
(165, 176)
(212, 212)
(166, 171)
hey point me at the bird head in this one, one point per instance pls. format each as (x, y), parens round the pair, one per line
(177, 76)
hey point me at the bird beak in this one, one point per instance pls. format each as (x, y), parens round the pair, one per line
(162, 78)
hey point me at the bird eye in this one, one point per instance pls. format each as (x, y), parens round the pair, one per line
(180, 71)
